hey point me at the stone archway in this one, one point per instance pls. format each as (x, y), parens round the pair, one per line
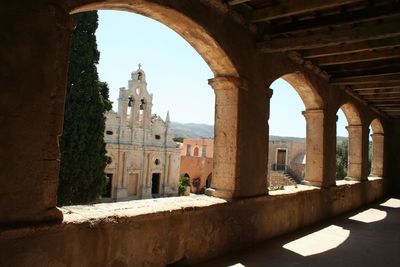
(226, 83)
(194, 33)
(354, 127)
(377, 148)
(314, 115)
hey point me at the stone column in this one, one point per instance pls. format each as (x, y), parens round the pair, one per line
(377, 154)
(224, 183)
(34, 54)
(270, 92)
(314, 174)
(354, 168)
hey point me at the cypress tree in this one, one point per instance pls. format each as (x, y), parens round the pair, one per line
(83, 159)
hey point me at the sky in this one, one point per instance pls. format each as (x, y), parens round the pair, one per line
(176, 74)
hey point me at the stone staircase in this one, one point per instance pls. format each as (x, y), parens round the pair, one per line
(280, 178)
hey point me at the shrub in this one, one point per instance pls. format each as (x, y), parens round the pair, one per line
(184, 181)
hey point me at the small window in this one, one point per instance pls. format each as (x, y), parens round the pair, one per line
(188, 148)
(108, 132)
(203, 151)
(157, 136)
(157, 161)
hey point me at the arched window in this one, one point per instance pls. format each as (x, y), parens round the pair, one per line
(196, 152)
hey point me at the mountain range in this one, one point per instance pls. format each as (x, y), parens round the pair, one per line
(200, 130)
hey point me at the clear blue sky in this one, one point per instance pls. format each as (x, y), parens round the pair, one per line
(177, 75)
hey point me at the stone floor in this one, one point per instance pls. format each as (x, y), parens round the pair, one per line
(367, 237)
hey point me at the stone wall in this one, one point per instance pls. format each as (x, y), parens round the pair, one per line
(164, 231)
(196, 167)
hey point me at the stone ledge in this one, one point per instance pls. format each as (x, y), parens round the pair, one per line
(292, 189)
(134, 208)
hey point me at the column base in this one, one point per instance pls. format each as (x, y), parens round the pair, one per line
(349, 178)
(219, 193)
(312, 183)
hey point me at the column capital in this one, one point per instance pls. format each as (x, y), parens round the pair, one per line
(377, 135)
(270, 92)
(228, 82)
(312, 112)
(353, 127)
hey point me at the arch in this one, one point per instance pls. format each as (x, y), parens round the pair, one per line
(355, 142)
(351, 113)
(194, 33)
(376, 126)
(314, 116)
(307, 92)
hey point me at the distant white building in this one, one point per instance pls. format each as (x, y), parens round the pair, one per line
(144, 159)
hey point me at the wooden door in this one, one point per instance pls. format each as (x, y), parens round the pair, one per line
(281, 160)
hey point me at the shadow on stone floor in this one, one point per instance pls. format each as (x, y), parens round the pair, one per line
(367, 237)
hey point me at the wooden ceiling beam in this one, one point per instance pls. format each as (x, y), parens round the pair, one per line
(378, 90)
(363, 68)
(351, 48)
(290, 8)
(377, 85)
(356, 34)
(390, 109)
(237, 2)
(366, 79)
(386, 93)
(357, 57)
(382, 100)
(363, 15)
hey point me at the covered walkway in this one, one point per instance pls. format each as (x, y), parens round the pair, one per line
(366, 237)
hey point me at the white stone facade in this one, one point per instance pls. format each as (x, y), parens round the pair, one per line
(145, 160)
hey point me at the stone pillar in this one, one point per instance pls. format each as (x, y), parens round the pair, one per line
(377, 154)
(314, 174)
(34, 54)
(270, 92)
(224, 182)
(354, 168)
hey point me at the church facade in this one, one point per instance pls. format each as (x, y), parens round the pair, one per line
(144, 160)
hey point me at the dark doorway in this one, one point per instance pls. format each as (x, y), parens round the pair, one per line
(281, 160)
(107, 192)
(155, 184)
(208, 181)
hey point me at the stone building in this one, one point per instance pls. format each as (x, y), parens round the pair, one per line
(286, 162)
(144, 158)
(197, 161)
(335, 54)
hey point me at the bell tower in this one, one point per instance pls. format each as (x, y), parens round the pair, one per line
(135, 103)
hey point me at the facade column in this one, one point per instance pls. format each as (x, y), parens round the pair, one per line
(354, 168)
(377, 154)
(314, 173)
(224, 182)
